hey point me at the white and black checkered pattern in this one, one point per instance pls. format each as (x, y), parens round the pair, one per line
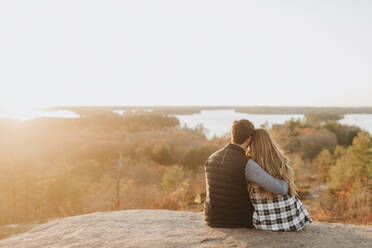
(282, 213)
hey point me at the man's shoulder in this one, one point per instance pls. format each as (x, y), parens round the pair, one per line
(219, 151)
(214, 156)
(225, 153)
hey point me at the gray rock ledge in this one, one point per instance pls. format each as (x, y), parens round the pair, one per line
(163, 228)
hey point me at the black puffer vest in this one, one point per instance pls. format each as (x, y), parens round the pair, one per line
(227, 201)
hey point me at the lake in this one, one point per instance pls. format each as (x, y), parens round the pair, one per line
(218, 122)
(363, 121)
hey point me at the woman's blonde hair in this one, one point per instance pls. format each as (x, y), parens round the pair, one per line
(268, 155)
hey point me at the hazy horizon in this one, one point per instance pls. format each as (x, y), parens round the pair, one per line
(185, 53)
(216, 105)
(191, 106)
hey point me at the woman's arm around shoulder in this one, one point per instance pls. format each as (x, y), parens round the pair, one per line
(255, 174)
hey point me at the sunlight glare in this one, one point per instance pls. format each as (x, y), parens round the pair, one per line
(27, 113)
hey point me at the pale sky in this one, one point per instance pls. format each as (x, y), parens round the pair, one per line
(147, 52)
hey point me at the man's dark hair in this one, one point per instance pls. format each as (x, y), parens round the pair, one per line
(241, 131)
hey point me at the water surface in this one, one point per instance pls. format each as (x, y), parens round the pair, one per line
(218, 122)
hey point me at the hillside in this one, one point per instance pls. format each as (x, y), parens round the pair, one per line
(163, 228)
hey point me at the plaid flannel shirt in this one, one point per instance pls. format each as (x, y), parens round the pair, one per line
(282, 213)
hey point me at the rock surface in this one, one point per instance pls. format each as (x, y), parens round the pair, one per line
(162, 228)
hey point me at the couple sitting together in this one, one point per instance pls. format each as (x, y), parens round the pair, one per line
(241, 193)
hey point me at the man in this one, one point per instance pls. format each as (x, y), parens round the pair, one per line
(227, 172)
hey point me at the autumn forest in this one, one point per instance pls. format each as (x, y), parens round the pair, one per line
(55, 167)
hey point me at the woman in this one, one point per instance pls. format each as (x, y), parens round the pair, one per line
(275, 212)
